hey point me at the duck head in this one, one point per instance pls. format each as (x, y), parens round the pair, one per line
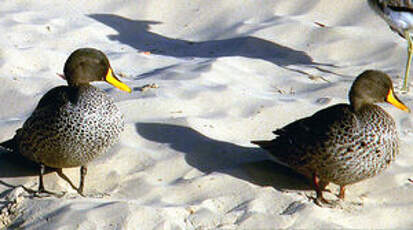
(86, 65)
(371, 87)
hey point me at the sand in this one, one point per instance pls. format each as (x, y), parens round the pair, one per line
(225, 73)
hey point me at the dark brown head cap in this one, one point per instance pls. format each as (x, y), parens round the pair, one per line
(86, 65)
(371, 87)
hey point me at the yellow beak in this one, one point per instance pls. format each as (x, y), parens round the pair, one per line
(113, 80)
(392, 99)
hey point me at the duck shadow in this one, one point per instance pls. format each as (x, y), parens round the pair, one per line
(14, 168)
(15, 165)
(209, 155)
(137, 34)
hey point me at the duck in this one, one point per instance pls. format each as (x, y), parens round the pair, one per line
(74, 123)
(343, 143)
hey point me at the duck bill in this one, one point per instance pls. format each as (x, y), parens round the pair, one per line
(113, 80)
(392, 99)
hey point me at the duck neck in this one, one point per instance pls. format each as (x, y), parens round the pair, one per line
(356, 105)
(77, 84)
(74, 92)
(357, 100)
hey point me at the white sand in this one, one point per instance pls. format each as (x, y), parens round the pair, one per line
(228, 72)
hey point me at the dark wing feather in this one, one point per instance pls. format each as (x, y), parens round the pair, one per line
(50, 103)
(296, 138)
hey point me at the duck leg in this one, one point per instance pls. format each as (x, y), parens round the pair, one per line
(41, 173)
(342, 192)
(41, 189)
(83, 172)
(319, 187)
(405, 87)
(59, 172)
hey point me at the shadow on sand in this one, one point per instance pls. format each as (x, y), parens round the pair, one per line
(209, 155)
(137, 34)
(14, 165)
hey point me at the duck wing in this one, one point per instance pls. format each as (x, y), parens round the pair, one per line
(48, 106)
(299, 139)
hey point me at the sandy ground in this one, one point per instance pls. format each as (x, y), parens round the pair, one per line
(227, 72)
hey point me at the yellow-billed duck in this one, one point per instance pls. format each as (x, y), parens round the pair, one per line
(344, 143)
(72, 124)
